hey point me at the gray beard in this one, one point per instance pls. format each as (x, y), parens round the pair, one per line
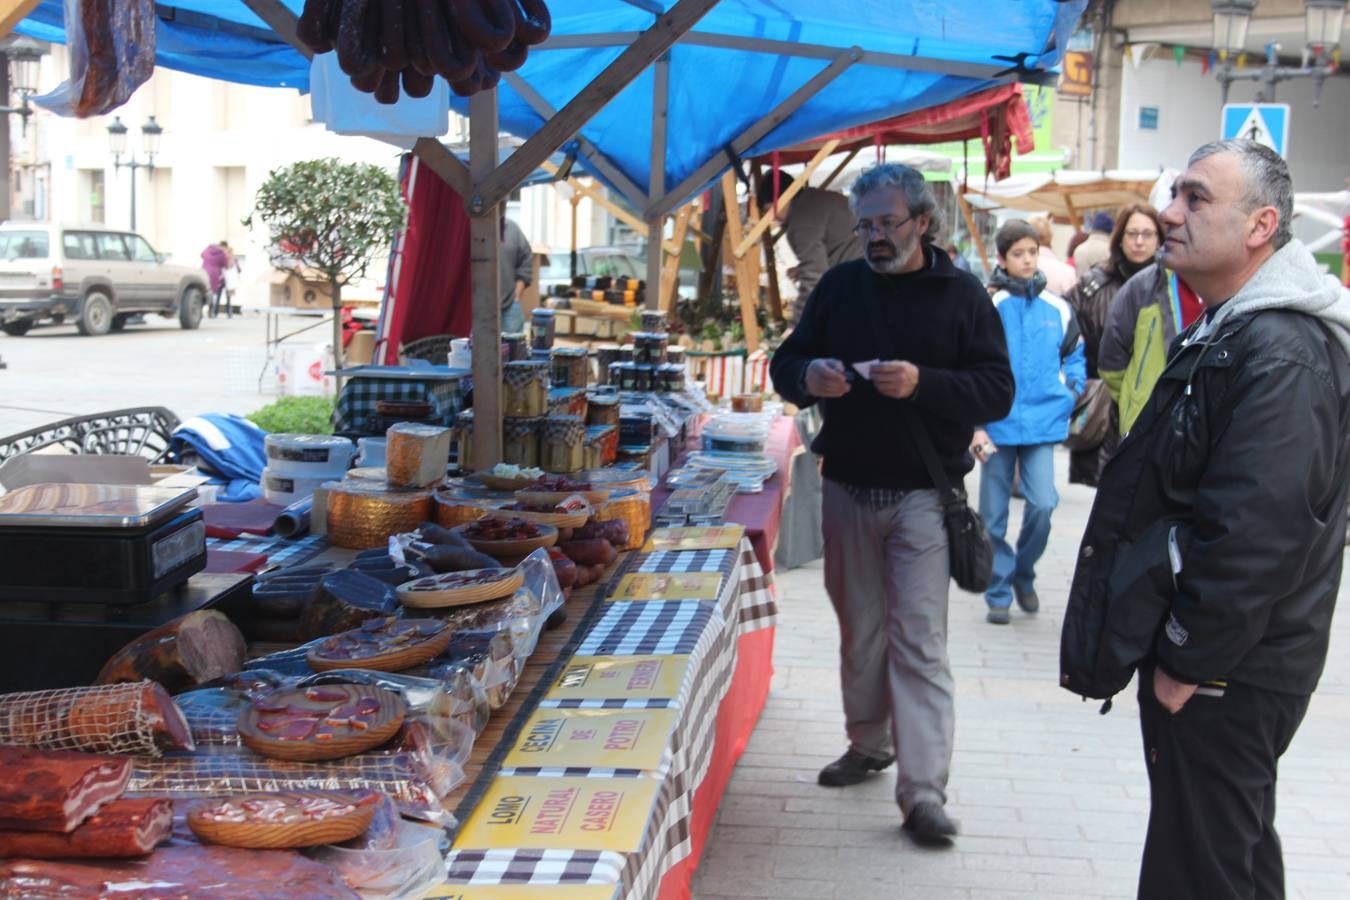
(889, 267)
(896, 263)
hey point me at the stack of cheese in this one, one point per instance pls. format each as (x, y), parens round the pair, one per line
(362, 514)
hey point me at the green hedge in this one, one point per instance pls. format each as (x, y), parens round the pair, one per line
(296, 415)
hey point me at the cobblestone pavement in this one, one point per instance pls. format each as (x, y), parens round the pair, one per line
(1052, 798)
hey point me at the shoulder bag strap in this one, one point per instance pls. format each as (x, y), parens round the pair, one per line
(918, 432)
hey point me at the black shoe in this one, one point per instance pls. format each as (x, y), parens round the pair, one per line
(851, 768)
(998, 615)
(928, 824)
(1027, 600)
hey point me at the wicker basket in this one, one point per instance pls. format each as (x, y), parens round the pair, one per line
(635, 508)
(452, 511)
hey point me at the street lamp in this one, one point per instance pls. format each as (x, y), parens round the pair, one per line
(117, 143)
(24, 55)
(1323, 20)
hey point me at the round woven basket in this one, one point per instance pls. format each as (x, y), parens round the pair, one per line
(635, 508)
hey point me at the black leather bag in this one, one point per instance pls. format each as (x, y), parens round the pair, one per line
(969, 548)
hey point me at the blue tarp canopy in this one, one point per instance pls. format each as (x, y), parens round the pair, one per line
(726, 74)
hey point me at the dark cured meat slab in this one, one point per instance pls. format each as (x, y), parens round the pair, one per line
(346, 599)
(55, 790)
(171, 873)
(121, 828)
(229, 520)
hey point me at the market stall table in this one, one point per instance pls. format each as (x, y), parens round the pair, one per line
(761, 513)
(725, 649)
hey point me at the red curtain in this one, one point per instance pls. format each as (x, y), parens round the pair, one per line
(429, 284)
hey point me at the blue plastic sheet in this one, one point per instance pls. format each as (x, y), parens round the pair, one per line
(715, 93)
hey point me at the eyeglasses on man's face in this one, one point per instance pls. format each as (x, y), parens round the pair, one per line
(885, 226)
(1147, 234)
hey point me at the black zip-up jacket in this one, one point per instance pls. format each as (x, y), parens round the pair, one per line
(940, 319)
(1242, 451)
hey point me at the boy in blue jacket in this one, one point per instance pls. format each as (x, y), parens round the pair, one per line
(1045, 348)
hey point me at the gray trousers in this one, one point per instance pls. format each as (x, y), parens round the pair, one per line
(887, 574)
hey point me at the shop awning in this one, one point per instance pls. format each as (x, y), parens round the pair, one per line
(997, 117)
(1067, 193)
(752, 76)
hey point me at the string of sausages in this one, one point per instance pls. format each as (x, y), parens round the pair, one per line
(388, 45)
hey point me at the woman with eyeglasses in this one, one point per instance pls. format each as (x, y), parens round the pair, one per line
(1111, 333)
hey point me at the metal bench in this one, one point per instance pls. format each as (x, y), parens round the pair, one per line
(140, 431)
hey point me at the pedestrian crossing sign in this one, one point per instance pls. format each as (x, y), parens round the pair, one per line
(1265, 123)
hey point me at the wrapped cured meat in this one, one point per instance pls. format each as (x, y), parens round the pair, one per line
(56, 790)
(346, 599)
(114, 718)
(126, 827)
(203, 873)
(180, 654)
(112, 52)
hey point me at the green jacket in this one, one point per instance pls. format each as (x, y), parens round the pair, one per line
(1145, 315)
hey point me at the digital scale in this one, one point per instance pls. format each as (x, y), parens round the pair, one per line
(109, 544)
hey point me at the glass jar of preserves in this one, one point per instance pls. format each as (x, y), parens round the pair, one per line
(650, 348)
(571, 367)
(516, 347)
(525, 393)
(672, 378)
(544, 326)
(520, 442)
(463, 435)
(602, 410)
(605, 356)
(562, 445)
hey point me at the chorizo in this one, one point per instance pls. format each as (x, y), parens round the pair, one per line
(487, 23)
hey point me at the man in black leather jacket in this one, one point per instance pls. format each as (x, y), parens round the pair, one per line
(1213, 553)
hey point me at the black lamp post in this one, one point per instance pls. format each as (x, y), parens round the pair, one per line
(117, 143)
(1323, 20)
(24, 55)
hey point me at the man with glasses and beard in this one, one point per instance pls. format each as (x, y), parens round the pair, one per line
(894, 341)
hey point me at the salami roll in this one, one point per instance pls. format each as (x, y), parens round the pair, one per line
(56, 790)
(117, 718)
(121, 828)
(180, 654)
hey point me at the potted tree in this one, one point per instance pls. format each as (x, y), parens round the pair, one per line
(331, 218)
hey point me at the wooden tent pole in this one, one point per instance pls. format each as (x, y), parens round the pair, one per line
(744, 289)
(759, 227)
(670, 272)
(839, 169)
(969, 215)
(485, 274)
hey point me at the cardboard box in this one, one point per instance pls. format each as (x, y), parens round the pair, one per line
(299, 291)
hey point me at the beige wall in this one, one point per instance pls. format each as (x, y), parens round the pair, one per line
(1135, 13)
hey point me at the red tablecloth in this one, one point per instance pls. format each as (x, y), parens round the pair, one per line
(760, 513)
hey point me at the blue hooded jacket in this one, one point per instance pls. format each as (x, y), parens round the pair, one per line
(1045, 348)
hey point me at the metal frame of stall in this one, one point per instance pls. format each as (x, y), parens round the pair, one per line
(485, 182)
